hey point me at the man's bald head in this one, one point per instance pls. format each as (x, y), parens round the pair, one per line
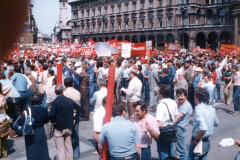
(59, 89)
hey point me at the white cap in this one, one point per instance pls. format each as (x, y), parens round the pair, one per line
(77, 64)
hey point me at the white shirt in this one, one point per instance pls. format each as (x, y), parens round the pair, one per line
(98, 119)
(162, 111)
(102, 73)
(34, 74)
(134, 90)
(100, 95)
(49, 83)
(177, 73)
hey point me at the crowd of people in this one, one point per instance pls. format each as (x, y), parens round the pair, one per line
(179, 87)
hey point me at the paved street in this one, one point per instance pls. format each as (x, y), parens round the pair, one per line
(229, 127)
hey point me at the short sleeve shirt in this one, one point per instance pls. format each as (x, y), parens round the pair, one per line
(98, 119)
(19, 82)
(186, 109)
(121, 136)
(236, 78)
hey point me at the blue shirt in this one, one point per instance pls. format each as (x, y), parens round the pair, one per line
(126, 72)
(147, 73)
(186, 109)
(19, 82)
(6, 73)
(172, 72)
(204, 119)
(6, 82)
(197, 80)
(121, 136)
(54, 69)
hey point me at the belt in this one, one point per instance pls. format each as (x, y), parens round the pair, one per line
(127, 157)
(203, 139)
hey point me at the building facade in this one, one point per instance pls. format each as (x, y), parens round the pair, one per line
(204, 23)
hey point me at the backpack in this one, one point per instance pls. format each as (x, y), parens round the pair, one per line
(27, 128)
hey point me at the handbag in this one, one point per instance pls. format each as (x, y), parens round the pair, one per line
(40, 86)
(27, 128)
(168, 133)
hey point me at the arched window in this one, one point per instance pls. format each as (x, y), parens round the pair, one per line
(209, 14)
(222, 16)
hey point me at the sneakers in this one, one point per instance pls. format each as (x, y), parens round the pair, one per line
(236, 114)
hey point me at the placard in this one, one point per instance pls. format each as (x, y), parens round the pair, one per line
(126, 50)
(103, 49)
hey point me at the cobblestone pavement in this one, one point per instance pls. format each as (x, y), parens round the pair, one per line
(229, 127)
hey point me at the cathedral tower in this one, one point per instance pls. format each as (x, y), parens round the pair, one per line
(63, 17)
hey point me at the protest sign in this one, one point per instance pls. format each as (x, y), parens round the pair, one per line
(103, 49)
(126, 50)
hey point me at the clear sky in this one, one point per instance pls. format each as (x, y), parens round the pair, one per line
(46, 13)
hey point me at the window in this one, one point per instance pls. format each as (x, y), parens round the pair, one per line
(142, 24)
(88, 29)
(63, 4)
(160, 22)
(160, 2)
(82, 14)
(134, 7)
(88, 13)
(134, 25)
(151, 24)
(112, 10)
(94, 28)
(93, 12)
(105, 10)
(100, 29)
(170, 21)
(106, 28)
(142, 5)
(100, 12)
(112, 26)
(119, 26)
(170, 2)
(83, 31)
(76, 29)
(126, 8)
(151, 4)
(119, 9)
(126, 25)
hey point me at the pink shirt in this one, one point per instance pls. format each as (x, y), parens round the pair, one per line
(146, 139)
(236, 78)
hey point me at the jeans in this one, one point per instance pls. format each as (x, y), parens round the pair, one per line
(218, 88)
(119, 86)
(75, 141)
(171, 85)
(146, 90)
(236, 91)
(134, 157)
(164, 149)
(212, 95)
(44, 104)
(180, 143)
(29, 91)
(205, 150)
(146, 153)
(91, 92)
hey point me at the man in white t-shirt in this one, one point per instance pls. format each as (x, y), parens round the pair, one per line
(98, 120)
(208, 85)
(166, 107)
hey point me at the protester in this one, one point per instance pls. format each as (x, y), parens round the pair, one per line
(227, 76)
(208, 85)
(36, 144)
(63, 119)
(122, 135)
(203, 122)
(146, 76)
(181, 122)
(147, 127)
(181, 82)
(166, 107)
(153, 83)
(171, 74)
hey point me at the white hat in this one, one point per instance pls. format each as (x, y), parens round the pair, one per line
(77, 64)
(198, 69)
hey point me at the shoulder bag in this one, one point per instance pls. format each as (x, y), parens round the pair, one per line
(168, 133)
(27, 128)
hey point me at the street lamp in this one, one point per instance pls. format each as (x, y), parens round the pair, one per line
(183, 9)
(103, 18)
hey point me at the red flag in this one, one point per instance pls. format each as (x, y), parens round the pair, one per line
(14, 52)
(26, 52)
(91, 43)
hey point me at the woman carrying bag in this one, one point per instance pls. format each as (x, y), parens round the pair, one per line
(5, 128)
(36, 144)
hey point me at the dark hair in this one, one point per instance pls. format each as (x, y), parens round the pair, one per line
(164, 90)
(40, 61)
(206, 75)
(50, 62)
(165, 70)
(140, 68)
(118, 108)
(133, 72)
(178, 65)
(32, 67)
(17, 69)
(182, 90)
(59, 89)
(202, 95)
(99, 63)
(104, 100)
(142, 105)
(36, 98)
(170, 61)
(51, 72)
(45, 67)
(55, 80)
(68, 82)
(235, 67)
(2, 75)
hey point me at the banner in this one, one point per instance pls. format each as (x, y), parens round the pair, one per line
(103, 49)
(230, 49)
(126, 50)
(173, 48)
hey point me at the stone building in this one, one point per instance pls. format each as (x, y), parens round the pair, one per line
(204, 23)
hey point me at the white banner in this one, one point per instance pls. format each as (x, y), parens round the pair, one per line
(126, 50)
(103, 49)
(148, 45)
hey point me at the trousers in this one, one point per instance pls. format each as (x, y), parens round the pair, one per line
(85, 103)
(205, 150)
(228, 94)
(130, 108)
(63, 144)
(75, 141)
